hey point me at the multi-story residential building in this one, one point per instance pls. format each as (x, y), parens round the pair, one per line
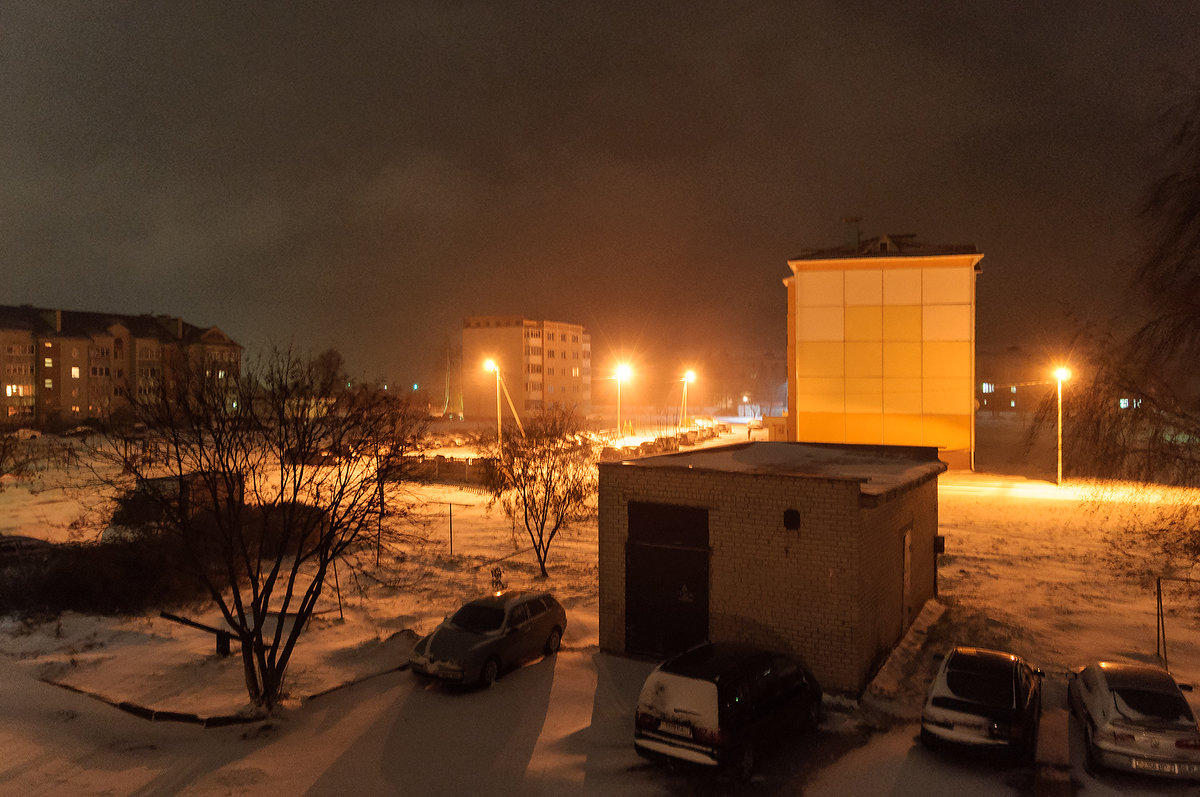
(542, 363)
(881, 345)
(62, 364)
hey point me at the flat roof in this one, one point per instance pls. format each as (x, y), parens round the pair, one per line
(878, 469)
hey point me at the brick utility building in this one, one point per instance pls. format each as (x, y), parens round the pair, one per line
(542, 363)
(63, 365)
(824, 551)
(881, 345)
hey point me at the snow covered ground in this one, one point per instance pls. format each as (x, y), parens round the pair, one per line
(1023, 570)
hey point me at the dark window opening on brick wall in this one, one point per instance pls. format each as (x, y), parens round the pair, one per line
(791, 519)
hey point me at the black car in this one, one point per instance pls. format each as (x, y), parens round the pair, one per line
(985, 700)
(714, 704)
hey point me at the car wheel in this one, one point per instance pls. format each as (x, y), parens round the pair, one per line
(490, 671)
(553, 641)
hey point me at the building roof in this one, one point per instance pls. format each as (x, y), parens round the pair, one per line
(877, 469)
(906, 245)
(45, 322)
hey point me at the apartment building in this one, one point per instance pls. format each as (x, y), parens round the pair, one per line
(60, 365)
(542, 363)
(881, 345)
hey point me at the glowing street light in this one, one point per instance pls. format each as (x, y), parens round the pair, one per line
(1062, 375)
(491, 367)
(690, 376)
(622, 374)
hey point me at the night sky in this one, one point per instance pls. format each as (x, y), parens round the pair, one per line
(363, 175)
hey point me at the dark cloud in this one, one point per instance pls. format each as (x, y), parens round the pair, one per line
(363, 175)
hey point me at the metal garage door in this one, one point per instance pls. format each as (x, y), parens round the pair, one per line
(666, 578)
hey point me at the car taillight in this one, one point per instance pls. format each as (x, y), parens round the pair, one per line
(1190, 743)
(710, 737)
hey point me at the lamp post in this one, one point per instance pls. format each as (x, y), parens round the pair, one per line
(491, 367)
(690, 376)
(622, 374)
(1062, 375)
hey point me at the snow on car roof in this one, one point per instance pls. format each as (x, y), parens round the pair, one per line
(1137, 676)
(878, 469)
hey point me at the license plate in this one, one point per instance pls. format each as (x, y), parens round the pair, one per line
(675, 728)
(1154, 766)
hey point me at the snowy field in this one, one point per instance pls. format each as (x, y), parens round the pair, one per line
(1023, 569)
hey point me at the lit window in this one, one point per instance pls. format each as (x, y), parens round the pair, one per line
(1124, 404)
(74, 371)
(987, 387)
(574, 372)
(49, 362)
(49, 384)
(1013, 389)
(1012, 404)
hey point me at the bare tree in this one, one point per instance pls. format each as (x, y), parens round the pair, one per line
(1135, 413)
(17, 456)
(267, 477)
(545, 478)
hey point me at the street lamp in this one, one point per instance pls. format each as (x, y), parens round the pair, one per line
(1062, 375)
(690, 376)
(622, 374)
(491, 367)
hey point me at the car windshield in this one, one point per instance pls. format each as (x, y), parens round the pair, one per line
(1141, 704)
(478, 618)
(986, 682)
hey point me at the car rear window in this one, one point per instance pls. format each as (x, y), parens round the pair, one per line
(680, 698)
(981, 682)
(478, 618)
(1140, 704)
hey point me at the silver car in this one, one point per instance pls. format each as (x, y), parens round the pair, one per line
(489, 635)
(1135, 718)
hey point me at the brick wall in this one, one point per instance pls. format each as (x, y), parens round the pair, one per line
(829, 591)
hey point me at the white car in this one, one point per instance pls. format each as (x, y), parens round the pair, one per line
(1135, 718)
(983, 699)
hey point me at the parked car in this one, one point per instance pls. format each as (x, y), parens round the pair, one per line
(1135, 718)
(490, 634)
(716, 703)
(983, 699)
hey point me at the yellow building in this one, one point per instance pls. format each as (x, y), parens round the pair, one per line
(881, 345)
